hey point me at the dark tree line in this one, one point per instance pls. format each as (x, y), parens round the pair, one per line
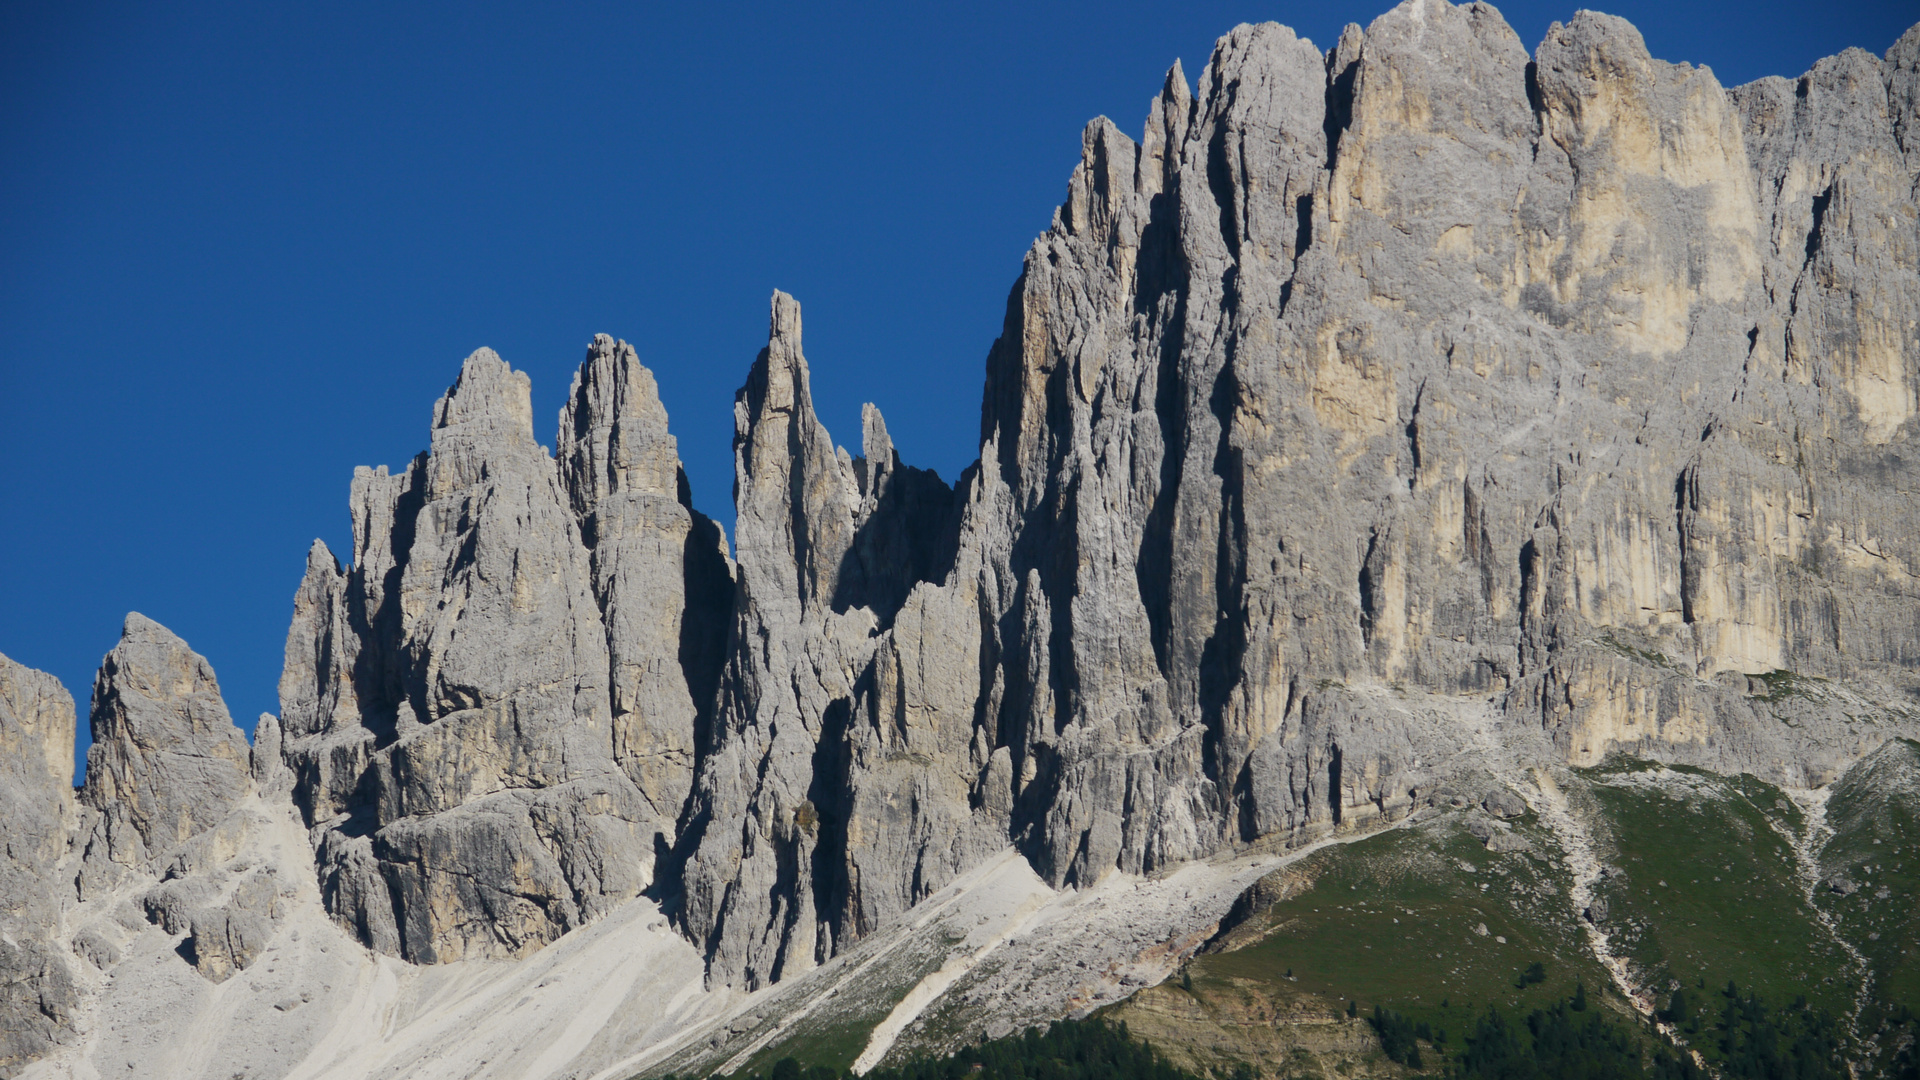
(1066, 1050)
(1739, 1036)
(1745, 1040)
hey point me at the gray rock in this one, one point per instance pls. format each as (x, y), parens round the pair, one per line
(1504, 804)
(1356, 370)
(1367, 387)
(226, 940)
(166, 762)
(97, 947)
(446, 703)
(1506, 840)
(786, 692)
(37, 813)
(171, 905)
(264, 760)
(660, 574)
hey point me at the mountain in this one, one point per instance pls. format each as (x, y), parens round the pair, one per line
(1421, 453)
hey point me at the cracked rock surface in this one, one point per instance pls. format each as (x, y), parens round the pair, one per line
(1380, 409)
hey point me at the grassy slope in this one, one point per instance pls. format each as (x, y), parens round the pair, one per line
(1712, 890)
(1389, 920)
(1874, 813)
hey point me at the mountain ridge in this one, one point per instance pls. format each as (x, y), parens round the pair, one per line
(1379, 414)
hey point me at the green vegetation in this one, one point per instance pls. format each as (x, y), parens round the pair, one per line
(1066, 1050)
(1870, 878)
(1565, 1042)
(1400, 1037)
(1741, 1038)
(1645, 656)
(1706, 885)
(1702, 885)
(1413, 917)
(1782, 684)
(1418, 951)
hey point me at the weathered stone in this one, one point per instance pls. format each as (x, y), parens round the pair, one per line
(166, 758)
(767, 798)
(171, 904)
(93, 945)
(492, 761)
(1368, 389)
(660, 573)
(1504, 840)
(1504, 804)
(224, 941)
(1481, 828)
(1423, 363)
(37, 814)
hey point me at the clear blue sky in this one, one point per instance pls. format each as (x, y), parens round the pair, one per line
(243, 247)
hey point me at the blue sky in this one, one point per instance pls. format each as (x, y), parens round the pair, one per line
(244, 247)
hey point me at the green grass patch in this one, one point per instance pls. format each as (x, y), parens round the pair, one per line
(1874, 857)
(1783, 684)
(1633, 652)
(1711, 889)
(1396, 918)
(837, 1026)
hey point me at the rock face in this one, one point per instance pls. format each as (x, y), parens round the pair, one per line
(849, 733)
(166, 762)
(173, 795)
(490, 718)
(1367, 385)
(1569, 378)
(660, 572)
(37, 994)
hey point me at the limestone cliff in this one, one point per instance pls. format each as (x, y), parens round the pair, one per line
(490, 717)
(37, 995)
(1568, 378)
(1370, 387)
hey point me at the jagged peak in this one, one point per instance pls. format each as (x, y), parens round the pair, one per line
(165, 752)
(875, 444)
(794, 495)
(1247, 47)
(1168, 119)
(488, 392)
(783, 327)
(777, 383)
(1435, 30)
(1175, 88)
(137, 629)
(1347, 49)
(1607, 42)
(1106, 178)
(613, 436)
(321, 559)
(484, 417)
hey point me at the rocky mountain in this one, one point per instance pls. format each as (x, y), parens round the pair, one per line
(1394, 428)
